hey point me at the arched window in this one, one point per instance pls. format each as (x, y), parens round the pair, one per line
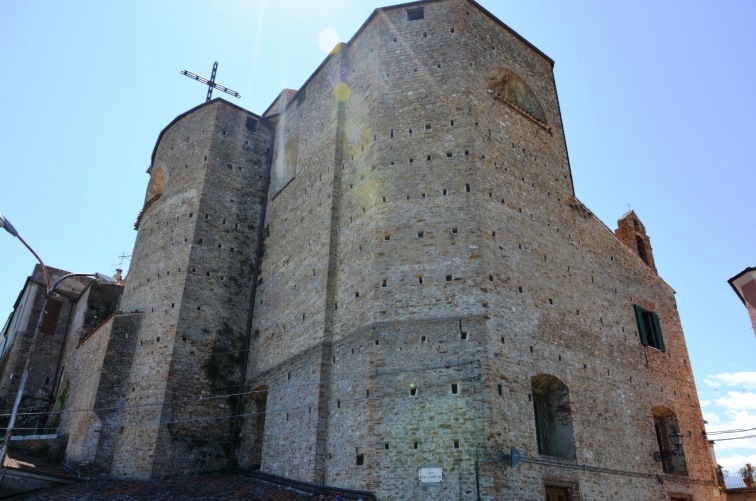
(506, 85)
(641, 249)
(553, 416)
(671, 456)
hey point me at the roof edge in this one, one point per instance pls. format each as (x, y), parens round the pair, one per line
(189, 111)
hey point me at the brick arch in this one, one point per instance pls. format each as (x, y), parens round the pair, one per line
(665, 423)
(506, 85)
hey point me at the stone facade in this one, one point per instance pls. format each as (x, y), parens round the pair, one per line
(428, 267)
(391, 269)
(46, 360)
(191, 280)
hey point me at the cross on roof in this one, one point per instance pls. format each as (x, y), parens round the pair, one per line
(210, 83)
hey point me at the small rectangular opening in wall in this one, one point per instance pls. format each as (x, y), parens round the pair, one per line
(428, 126)
(384, 283)
(420, 279)
(415, 14)
(360, 459)
(454, 388)
(448, 278)
(415, 445)
(420, 234)
(413, 391)
(467, 188)
(386, 446)
(448, 154)
(501, 390)
(456, 444)
(251, 123)
(454, 230)
(463, 335)
(377, 342)
(423, 339)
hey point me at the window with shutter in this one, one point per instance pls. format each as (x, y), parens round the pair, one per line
(649, 328)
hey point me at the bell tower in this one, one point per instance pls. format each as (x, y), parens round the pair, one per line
(632, 233)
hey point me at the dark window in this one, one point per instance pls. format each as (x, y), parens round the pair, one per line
(415, 14)
(553, 416)
(649, 328)
(251, 123)
(641, 249)
(557, 494)
(665, 425)
(50, 321)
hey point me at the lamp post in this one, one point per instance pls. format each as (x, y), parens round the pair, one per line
(50, 289)
(676, 438)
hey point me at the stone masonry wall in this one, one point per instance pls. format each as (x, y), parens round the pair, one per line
(46, 358)
(90, 399)
(193, 265)
(456, 252)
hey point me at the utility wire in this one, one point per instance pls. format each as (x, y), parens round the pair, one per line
(734, 438)
(203, 398)
(729, 431)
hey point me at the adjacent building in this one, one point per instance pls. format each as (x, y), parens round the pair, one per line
(744, 285)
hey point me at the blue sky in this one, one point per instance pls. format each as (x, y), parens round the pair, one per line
(657, 100)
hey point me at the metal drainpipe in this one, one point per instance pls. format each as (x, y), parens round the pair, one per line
(253, 293)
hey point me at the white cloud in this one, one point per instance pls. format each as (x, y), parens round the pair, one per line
(745, 380)
(735, 410)
(736, 402)
(733, 463)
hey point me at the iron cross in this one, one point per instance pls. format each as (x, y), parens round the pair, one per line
(211, 83)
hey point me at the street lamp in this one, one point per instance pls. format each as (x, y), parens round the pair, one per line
(4, 223)
(676, 438)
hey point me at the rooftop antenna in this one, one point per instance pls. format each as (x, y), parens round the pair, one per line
(211, 83)
(121, 257)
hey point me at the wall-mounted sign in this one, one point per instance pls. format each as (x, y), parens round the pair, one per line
(430, 475)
